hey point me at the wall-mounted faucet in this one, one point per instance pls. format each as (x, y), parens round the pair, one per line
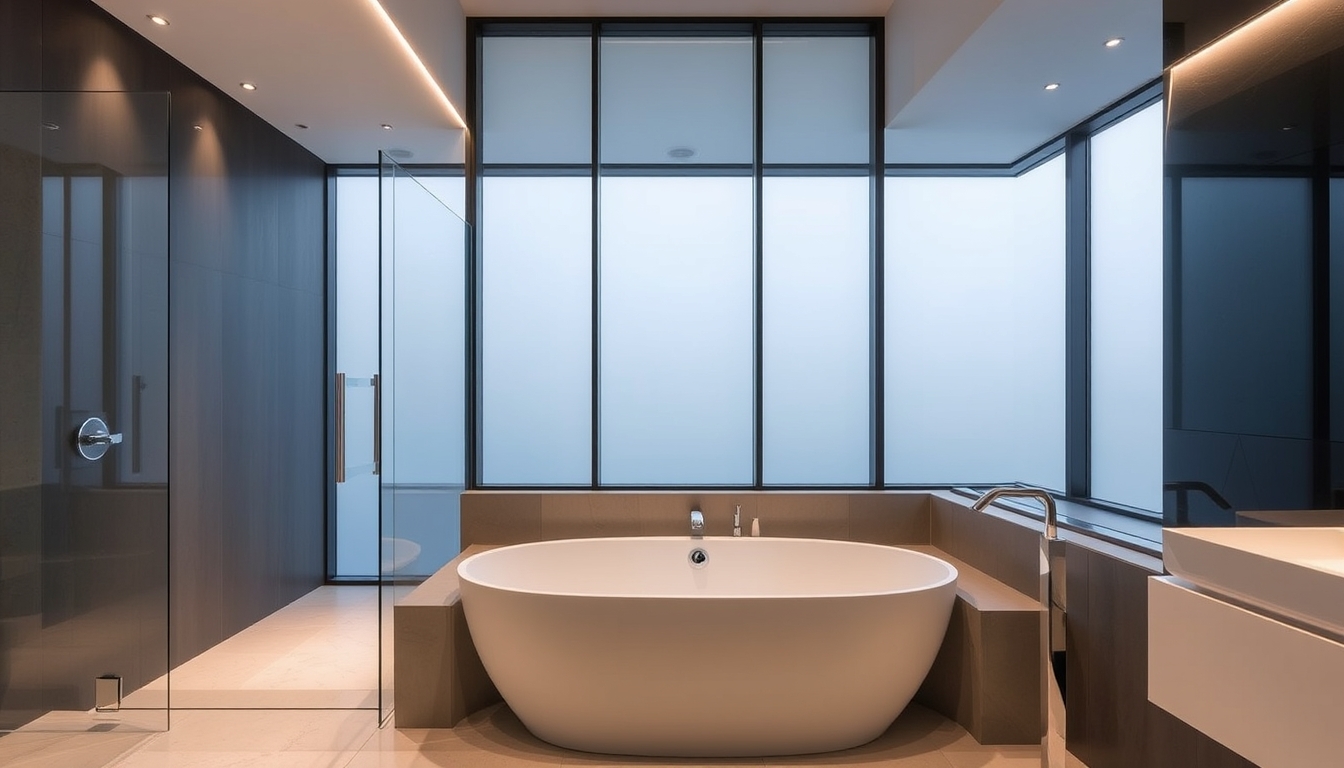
(737, 520)
(697, 524)
(1054, 602)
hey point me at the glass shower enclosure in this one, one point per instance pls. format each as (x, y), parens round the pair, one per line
(84, 614)
(421, 395)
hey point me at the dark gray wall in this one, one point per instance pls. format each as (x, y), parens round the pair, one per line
(246, 335)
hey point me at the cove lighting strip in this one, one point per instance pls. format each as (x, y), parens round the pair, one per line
(429, 78)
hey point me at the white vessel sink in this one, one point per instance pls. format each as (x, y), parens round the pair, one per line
(1297, 573)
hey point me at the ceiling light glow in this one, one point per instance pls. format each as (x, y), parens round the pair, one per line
(424, 71)
(1052, 86)
(248, 86)
(387, 126)
(157, 19)
(1114, 42)
(198, 127)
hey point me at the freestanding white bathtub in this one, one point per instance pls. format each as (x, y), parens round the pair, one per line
(769, 647)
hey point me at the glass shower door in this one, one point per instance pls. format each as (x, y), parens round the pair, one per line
(83, 412)
(423, 250)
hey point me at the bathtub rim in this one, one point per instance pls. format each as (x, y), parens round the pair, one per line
(950, 579)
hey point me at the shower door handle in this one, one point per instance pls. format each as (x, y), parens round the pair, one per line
(93, 438)
(377, 426)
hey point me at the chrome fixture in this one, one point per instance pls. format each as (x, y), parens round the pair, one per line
(697, 524)
(698, 557)
(1023, 492)
(1054, 601)
(93, 439)
(737, 520)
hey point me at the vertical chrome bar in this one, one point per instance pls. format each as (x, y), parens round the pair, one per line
(340, 427)
(377, 426)
(137, 411)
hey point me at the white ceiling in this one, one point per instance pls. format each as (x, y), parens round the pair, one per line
(965, 76)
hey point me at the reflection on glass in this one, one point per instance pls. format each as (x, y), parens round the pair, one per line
(676, 100)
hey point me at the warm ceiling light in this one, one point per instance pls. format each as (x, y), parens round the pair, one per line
(1052, 86)
(1114, 42)
(157, 19)
(420, 64)
(249, 86)
(387, 127)
(198, 127)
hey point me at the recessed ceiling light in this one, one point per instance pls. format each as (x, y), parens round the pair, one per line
(387, 127)
(681, 153)
(198, 127)
(249, 86)
(157, 19)
(401, 154)
(1289, 127)
(51, 126)
(301, 126)
(1052, 86)
(1114, 41)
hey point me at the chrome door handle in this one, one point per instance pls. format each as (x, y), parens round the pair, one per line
(93, 438)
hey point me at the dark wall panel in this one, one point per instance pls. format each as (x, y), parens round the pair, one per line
(20, 45)
(246, 334)
(249, 479)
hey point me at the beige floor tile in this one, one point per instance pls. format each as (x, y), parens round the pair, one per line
(66, 750)
(994, 757)
(266, 731)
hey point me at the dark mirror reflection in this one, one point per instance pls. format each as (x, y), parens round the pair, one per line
(84, 297)
(1255, 283)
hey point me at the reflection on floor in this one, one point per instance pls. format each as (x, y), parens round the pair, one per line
(312, 644)
(318, 652)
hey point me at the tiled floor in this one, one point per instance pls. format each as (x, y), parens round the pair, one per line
(318, 632)
(318, 652)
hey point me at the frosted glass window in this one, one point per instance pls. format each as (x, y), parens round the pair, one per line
(536, 99)
(536, 388)
(676, 331)
(816, 100)
(1245, 306)
(817, 350)
(1126, 307)
(356, 214)
(975, 329)
(675, 100)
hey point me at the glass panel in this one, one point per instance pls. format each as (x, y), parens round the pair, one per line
(817, 308)
(524, 78)
(975, 329)
(356, 213)
(536, 377)
(422, 388)
(1245, 306)
(1126, 307)
(817, 100)
(676, 315)
(83, 305)
(677, 100)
